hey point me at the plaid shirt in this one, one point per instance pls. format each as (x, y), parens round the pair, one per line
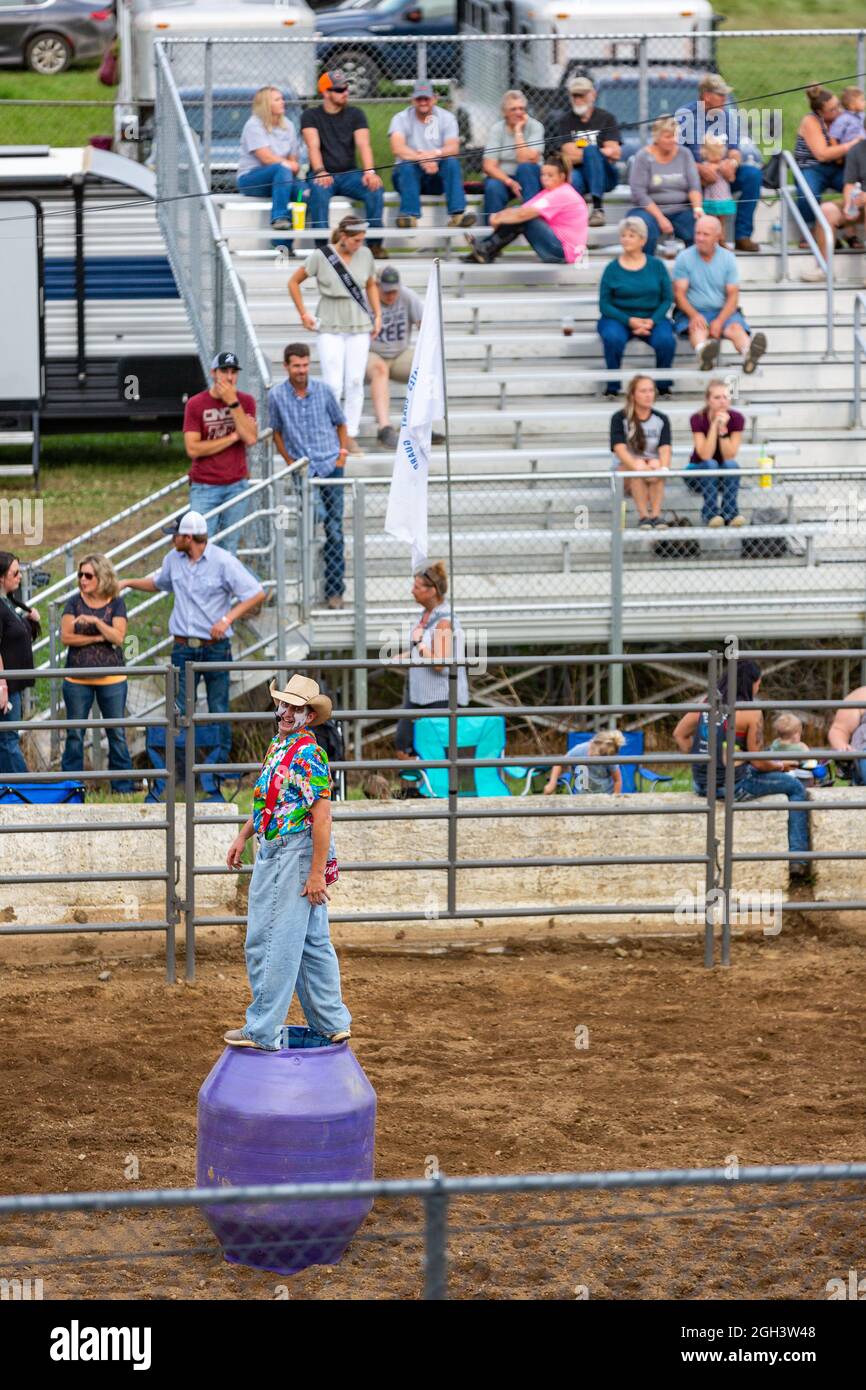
(308, 424)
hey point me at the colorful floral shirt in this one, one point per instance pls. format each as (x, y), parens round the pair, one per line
(306, 780)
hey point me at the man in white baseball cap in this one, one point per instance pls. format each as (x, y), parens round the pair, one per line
(212, 590)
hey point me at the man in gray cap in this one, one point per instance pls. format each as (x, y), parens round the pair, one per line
(589, 138)
(714, 114)
(425, 143)
(391, 353)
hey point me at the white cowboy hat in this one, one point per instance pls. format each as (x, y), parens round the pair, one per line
(302, 691)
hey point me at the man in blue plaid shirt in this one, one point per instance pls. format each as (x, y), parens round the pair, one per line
(308, 422)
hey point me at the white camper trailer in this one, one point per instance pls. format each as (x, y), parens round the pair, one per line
(239, 65)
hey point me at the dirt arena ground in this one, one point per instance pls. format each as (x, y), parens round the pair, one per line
(474, 1061)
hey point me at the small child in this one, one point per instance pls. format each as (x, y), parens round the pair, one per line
(789, 739)
(848, 125)
(605, 777)
(718, 199)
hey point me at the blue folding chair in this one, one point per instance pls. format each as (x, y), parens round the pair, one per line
(633, 775)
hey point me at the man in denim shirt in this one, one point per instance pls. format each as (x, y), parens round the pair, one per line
(212, 590)
(308, 423)
(711, 114)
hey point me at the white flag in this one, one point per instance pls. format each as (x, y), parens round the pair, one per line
(406, 518)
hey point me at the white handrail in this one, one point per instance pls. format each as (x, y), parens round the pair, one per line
(788, 203)
(859, 353)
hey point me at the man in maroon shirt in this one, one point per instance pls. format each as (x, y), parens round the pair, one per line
(218, 426)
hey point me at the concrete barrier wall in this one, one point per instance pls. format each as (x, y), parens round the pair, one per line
(415, 839)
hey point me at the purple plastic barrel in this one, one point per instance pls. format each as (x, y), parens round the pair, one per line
(304, 1114)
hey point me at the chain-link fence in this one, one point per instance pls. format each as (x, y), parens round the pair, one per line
(735, 1232)
(781, 546)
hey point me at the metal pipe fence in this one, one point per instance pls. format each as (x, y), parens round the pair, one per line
(467, 783)
(732, 1232)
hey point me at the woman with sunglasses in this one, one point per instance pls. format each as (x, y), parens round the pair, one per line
(93, 627)
(17, 624)
(346, 321)
(437, 635)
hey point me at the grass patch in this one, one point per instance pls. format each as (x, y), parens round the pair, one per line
(54, 125)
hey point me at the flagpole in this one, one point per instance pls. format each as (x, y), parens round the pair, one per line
(438, 264)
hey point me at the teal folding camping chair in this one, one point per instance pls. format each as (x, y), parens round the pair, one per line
(478, 736)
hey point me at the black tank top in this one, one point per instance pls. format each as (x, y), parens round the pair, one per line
(701, 744)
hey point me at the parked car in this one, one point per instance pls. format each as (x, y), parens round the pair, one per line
(348, 29)
(49, 35)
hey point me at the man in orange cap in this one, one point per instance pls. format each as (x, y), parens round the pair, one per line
(336, 134)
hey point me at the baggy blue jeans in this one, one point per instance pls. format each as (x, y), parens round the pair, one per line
(283, 186)
(111, 700)
(11, 757)
(410, 181)
(758, 784)
(727, 483)
(288, 946)
(615, 337)
(595, 175)
(203, 497)
(349, 184)
(497, 195)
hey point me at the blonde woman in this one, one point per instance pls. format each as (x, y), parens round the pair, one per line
(344, 271)
(93, 628)
(270, 157)
(640, 441)
(603, 777)
(666, 186)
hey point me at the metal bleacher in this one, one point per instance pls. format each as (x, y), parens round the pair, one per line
(529, 448)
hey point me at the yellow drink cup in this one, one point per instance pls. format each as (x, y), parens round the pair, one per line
(299, 216)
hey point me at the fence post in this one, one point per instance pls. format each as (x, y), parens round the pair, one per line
(615, 685)
(712, 790)
(453, 786)
(278, 530)
(187, 722)
(171, 904)
(436, 1246)
(730, 709)
(861, 57)
(643, 90)
(782, 263)
(207, 115)
(359, 559)
(421, 59)
(54, 704)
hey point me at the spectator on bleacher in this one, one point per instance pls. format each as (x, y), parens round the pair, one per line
(391, 352)
(554, 221)
(336, 135)
(18, 625)
(436, 635)
(219, 425)
(589, 138)
(308, 423)
(425, 142)
(848, 125)
(634, 298)
(93, 627)
(853, 206)
(822, 160)
(848, 735)
(666, 187)
(717, 431)
(212, 590)
(640, 440)
(718, 194)
(343, 272)
(755, 777)
(711, 112)
(707, 294)
(270, 157)
(605, 778)
(512, 156)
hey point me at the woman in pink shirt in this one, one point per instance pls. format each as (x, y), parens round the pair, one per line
(554, 221)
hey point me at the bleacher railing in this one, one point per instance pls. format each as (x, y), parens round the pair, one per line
(859, 354)
(788, 208)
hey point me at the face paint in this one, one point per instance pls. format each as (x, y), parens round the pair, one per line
(300, 714)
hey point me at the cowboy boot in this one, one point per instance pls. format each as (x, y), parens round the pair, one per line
(485, 252)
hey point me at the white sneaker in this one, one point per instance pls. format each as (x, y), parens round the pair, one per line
(813, 275)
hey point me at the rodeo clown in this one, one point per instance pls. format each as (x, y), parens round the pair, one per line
(288, 944)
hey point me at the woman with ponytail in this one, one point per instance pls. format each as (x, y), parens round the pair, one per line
(640, 440)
